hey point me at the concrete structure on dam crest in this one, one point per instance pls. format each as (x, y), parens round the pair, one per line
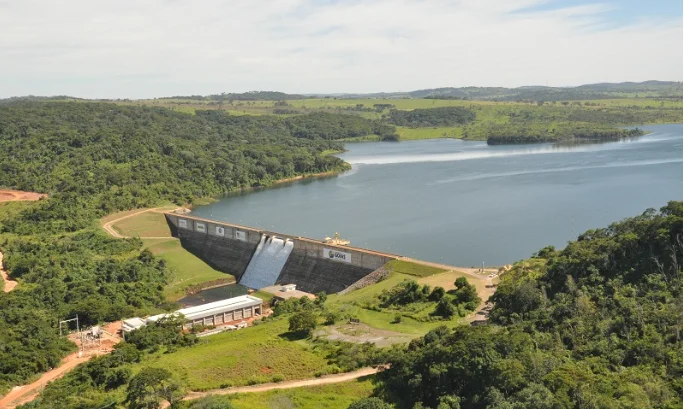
(312, 264)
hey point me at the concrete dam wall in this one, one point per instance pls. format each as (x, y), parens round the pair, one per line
(310, 264)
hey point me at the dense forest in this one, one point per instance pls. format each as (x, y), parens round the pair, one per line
(445, 116)
(102, 157)
(93, 159)
(595, 325)
(330, 126)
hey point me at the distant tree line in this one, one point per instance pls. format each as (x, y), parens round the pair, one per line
(245, 96)
(432, 117)
(513, 135)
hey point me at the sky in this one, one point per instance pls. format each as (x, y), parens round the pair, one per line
(157, 48)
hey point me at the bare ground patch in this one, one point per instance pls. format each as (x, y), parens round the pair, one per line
(7, 195)
(361, 333)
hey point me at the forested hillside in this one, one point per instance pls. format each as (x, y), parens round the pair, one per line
(93, 159)
(102, 157)
(595, 325)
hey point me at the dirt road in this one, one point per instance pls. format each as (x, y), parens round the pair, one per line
(108, 227)
(20, 395)
(324, 380)
(474, 272)
(26, 393)
(9, 284)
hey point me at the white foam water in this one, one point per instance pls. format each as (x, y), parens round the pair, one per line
(268, 260)
(563, 169)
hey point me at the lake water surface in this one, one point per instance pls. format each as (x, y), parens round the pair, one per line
(464, 203)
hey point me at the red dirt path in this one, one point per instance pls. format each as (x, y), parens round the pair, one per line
(26, 393)
(9, 284)
(17, 195)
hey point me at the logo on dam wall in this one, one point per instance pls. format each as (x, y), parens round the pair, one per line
(201, 227)
(240, 235)
(220, 231)
(183, 223)
(335, 255)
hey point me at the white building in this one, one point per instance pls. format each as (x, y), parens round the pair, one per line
(214, 313)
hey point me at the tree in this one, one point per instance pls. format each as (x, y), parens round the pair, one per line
(436, 294)
(444, 309)
(370, 403)
(321, 297)
(303, 322)
(460, 282)
(152, 385)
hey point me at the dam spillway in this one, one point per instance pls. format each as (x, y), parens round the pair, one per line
(267, 262)
(312, 265)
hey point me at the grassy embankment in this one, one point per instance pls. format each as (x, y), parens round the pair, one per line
(259, 354)
(332, 396)
(362, 303)
(548, 118)
(187, 269)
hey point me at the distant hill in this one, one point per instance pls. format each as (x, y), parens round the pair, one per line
(662, 89)
(39, 98)
(646, 89)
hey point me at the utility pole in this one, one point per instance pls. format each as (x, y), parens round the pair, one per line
(572, 224)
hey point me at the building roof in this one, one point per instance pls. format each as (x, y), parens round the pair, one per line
(132, 323)
(213, 308)
(277, 291)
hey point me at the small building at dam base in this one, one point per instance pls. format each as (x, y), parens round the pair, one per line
(211, 314)
(263, 258)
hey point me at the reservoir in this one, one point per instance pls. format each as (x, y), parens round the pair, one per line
(463, 202)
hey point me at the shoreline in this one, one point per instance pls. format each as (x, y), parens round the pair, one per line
(319, 175)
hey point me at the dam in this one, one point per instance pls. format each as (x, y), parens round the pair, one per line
(259, 258)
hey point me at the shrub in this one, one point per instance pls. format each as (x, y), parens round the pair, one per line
(331, 318)
(444, 309)
(303, 322)
(370, 403)
(437, 294)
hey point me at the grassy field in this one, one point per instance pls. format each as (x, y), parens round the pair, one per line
(413, 269)
(147, 224)
(187, 269)
(447, 278)
(355, 302)
(255, 354)
(352, 304)
(333, 396)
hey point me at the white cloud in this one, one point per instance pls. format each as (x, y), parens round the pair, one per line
(125, 48)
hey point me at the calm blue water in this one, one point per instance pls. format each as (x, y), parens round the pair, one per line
(463, 203)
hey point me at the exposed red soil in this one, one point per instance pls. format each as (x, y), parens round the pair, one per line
(20, 395)
(18, 195)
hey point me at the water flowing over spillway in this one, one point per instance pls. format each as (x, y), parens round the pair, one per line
(268, 260)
